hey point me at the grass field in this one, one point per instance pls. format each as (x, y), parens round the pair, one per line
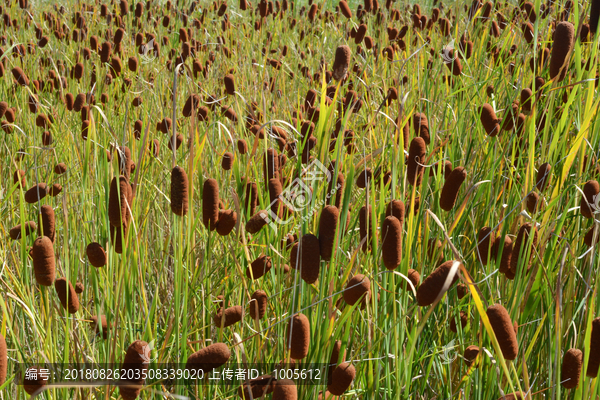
(155, 173)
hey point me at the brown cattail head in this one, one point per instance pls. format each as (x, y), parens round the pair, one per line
(33, 381)
(67, 296)
(485, 240)
(594, 358)
(285, 389)
(327, 227)
(226, 222)
(96, 254)
(36, 193)
(451, 188)
(503, 330)
(228, 316)
(256, 223)
(396, 208)
(341, 62)
(421, 126)
(471, 354)
(258, 304)
(20, 76)
(19, 177)
(589, 201)
(242, 146)
(3, 360)
(364, 222)
(489, 120)
(543, 176)
(506, 256)
(464, 319)
(60, 168)
(229, 82)
(29, 227)
(333, 360)
(43, 261)
(210, 204)
(416, 156)
(345, 9)
(209, 358)
(571, 368)
(520, 248)
(594, 16)
(342, 378)
(310, 254)
(358, 289)
(298, 336)
(564, 40)
(179, 191)
(391, 232)
(119, 202)
(433, 285)
(259, 267)
(133, 365)
(48, 226)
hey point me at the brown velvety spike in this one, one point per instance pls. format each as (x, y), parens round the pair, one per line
(43, 261)
(60, 168)
(364, 219)
(594, 358)
(208, 358)
(285, 389)
(533, 202)
(96, 254)
(258, 304)
(133, 365)
(564, 40)
(33, 381)
(298, 336)
(229, 81)
(67, 296)
(421, 126)
(471, 354)
(327, 226)
(464, 320)
(242, 146)
(345, 9)
(504, 331)
(36, 193)
(391, 248)
(363, 178)
(342, 378)
(451, 188)
(396, 208)
(431, 287)
(256, 223)
(3, 360)
(259, 267)
(210, 203)
(571, 368)
(333, 360)
(506, 255)
(251, 197)
(227, 161)
(489, 120)
(226, 222)
(416, 156)
(20, 76)
(19, 177)
(271, 165)
(461, 290)
(48, 225)
(543, 176)
(119, 201)
(414, 277)
(590, 199)
(15, 232)
(341, 62)
(520, 242)
(228, 317)
(310, 257)
(257, 388)
(358, 289)
(589, 237)
(116, 237)
(485, 241)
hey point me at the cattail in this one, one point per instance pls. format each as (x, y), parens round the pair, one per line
(48, 226)
(67, 296)
(341, 62)
(285, 389)
(464, 319)
(396, 208)
(43, 261)
(571, 368)
(3, 360)
(461, 290)
(229, 82)
(505, 261)
(590, 198)
(256, 223)
(532, 202)
(333, 360)
(345, 9)
(78, 71)
(364, 219)
(20, 76)
(451, 188)
(226, 222)
(36, 193)
(258, 304)
(391, 231)
(105, 52)
(271, 165)
(60, 168)
(543, 176)
(432, 286)
(119, 201)
(229, 316)
(136, 366)
(257, 388)
(242, 146)
(29, 227)
(227, 161)
(421, 126)
(594, 358)
(414, 277)
(522, 239)
(179, 191)
(416, 156)
(259, 267)
(19, 178)
(363, 178)
(342, 378)
(358, 289)
(564, 40)
(594, 16)
(298, 336)
(210, 203)
(209, 358)
(527, 29)
(310, 254)
(96, 254)
(485, 241)
(489, 120)
(69, 101)
(503, 330)
(327, 226)
(33, 380)
(471, 354)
